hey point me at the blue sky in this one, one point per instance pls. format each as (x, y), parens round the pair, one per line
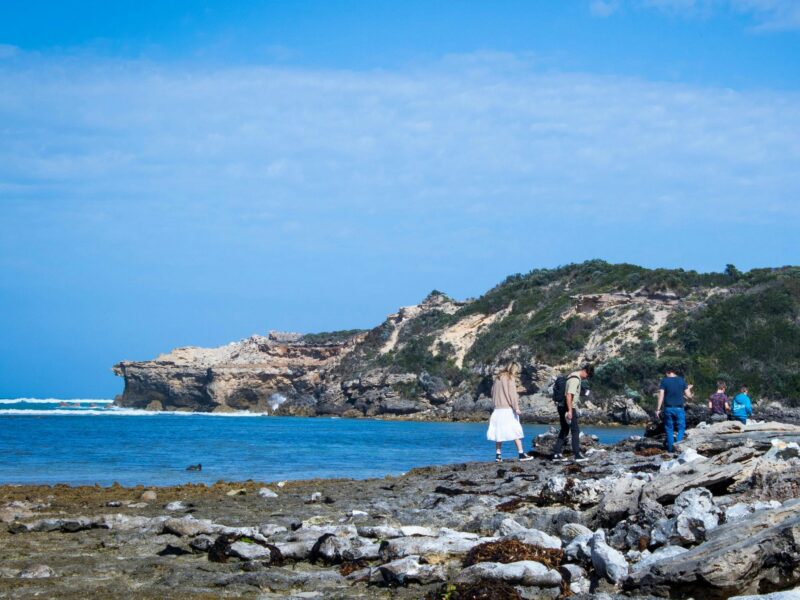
(190, 173)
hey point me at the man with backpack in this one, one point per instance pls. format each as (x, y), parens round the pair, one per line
(566, 391)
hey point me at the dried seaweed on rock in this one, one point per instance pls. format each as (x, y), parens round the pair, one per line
(511, 505)
(482, 590)
(509, 551)
(649, 451)
(352, 566)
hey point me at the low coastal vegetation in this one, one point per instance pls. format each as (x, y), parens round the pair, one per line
(734, 326)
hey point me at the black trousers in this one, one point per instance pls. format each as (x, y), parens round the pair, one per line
(566, 427)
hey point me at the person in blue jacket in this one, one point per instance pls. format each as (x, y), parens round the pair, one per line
(741, 407)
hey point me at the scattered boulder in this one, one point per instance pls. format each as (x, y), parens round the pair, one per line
(265, 492)
(575, 577)
(782, 450)
(736, 558)
(607, 561)
(410, 569)
(695, 515)
(36, 572)
(665, 553)
(526, 572)
(228, 546)
(740, 510)
(572, 530)
(201, 544)
(149, 496)
(579, 548)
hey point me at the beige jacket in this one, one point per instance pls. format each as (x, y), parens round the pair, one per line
(504, 393)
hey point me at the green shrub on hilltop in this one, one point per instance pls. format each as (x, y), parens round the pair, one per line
(332, 337)
(415, 356)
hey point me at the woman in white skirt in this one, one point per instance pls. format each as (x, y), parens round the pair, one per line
(504, 425)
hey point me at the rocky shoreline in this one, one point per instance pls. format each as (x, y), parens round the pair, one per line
(722, 519)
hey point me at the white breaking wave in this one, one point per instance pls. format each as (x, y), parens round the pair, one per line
(115, 411)
(53, 401)
(275, 400)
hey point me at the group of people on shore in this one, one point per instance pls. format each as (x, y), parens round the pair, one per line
(505, 425)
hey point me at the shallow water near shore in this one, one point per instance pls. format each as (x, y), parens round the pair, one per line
(42, 442)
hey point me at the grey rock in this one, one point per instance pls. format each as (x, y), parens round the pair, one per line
(741, 510)
(409, 570)
(579, 548)
(572, 530)
(334, 549)
(621, 500)
(575, 577)
(724, 469)
(787, 595)
(299, 550)
(422, 546)
(270, 529)
(689, 455)
(247, 551)
(665, 553)
(695, 515)
(735, 559)
(526, 572)
(536, 538)
(189, 526)
(380, 532)
(36, 572)
(607, 562)
(782, 450)
(201, 544)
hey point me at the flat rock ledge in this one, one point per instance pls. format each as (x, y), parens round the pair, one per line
(719, 520)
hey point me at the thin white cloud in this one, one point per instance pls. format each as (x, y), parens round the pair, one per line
(768, 15)
(8, 51)
(239, 149)
(603, 8)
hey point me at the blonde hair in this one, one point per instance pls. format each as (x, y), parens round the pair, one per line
(511, 369)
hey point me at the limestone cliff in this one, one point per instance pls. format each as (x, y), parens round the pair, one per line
(435, 360)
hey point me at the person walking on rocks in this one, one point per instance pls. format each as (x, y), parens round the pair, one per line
(741, 406)
(671, 394)
(719, 404)
(568, 413)
(504, 425)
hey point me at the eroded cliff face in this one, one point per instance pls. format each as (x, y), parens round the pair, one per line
(259, 373)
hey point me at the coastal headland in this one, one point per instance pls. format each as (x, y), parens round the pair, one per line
(721, 519)
(435, 360)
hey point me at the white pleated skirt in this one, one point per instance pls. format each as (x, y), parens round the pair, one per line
(504, 426)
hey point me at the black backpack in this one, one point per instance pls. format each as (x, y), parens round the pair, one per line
(560, 391)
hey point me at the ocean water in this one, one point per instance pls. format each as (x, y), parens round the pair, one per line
(91, 442)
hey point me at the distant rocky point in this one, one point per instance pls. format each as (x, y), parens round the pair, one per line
(435, 360)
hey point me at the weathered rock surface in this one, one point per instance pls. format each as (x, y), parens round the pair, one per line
(744, 556)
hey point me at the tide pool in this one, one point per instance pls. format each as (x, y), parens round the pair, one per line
(43, 441)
